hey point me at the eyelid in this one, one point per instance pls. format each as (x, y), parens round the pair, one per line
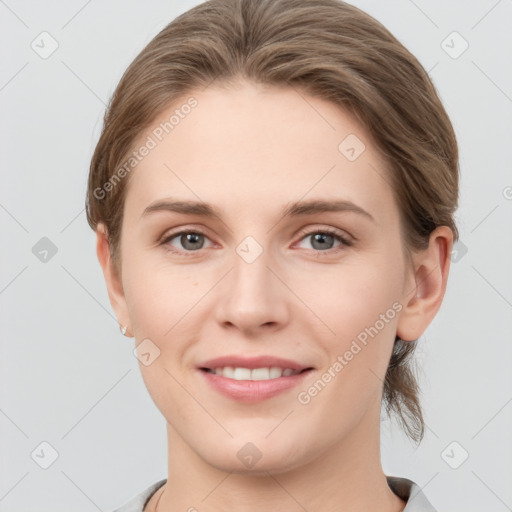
(180, 231)
(345, 237)
(166, 238)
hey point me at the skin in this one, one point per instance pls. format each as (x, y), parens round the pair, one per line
(251, 150)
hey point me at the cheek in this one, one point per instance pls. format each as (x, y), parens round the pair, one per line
(361, 304)
(362, 308)
(161, 306)
(158, 298)
(350, 298)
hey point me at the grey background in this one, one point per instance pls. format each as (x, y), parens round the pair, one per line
(69, 378)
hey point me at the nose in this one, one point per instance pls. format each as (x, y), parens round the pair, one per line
(253, 298)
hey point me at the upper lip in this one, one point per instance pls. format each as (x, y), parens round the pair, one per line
(263, 361)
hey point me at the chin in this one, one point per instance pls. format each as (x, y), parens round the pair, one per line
(256, 458)
(261, 468)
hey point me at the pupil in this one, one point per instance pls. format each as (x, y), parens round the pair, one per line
(320, 238)
(191, 238)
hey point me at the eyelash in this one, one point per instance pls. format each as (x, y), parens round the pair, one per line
(345, 241)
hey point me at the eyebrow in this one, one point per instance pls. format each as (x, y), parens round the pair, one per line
(295, 209)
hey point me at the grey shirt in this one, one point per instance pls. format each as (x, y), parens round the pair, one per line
(402, 487)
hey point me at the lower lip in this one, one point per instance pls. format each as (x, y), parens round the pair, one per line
(252, 390)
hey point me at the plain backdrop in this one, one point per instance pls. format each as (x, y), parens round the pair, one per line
(72, 396)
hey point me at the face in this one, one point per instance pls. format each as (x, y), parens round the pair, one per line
(302, 260)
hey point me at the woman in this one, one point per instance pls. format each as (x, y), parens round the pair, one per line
(273, 195)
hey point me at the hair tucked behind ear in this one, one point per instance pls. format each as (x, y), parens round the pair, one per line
(330, 50)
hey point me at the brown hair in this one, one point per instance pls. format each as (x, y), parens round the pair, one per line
(330, 50)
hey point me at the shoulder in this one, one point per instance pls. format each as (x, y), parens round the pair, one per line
(138, 502)
(411, 493)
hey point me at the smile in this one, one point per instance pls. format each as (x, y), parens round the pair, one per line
(240, 373)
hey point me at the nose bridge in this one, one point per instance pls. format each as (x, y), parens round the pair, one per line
(251, 276)
(250, 269)
(253, 297)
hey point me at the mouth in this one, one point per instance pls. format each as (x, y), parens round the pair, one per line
(252, 379)
(264, 373)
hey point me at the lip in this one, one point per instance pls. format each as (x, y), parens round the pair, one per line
(251, 391)
(263, 361)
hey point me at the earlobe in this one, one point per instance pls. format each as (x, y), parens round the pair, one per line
(112, 278)
(422, 302)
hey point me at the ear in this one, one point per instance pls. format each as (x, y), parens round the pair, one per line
(425, 285)
(112, 277)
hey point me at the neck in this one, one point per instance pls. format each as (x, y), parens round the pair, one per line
(346, 477)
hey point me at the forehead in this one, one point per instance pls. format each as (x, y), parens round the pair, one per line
(260, 147)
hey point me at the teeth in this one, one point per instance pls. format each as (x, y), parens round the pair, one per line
(273, 372)
(260, 374)
(242, 374)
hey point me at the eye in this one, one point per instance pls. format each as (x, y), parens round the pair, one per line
(323, 240)
(187, 241)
